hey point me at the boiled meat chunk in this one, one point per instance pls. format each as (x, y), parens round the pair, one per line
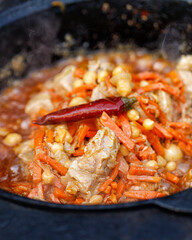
(86, 172)
(40, 100)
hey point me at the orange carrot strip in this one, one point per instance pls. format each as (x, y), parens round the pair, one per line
(58, 193)
(144, 195)
(50, 135)
(148, 76)
(186, 148)
(180, 124)
(125, 125)
(140, 139)
(108, 122)
(72, 128)
(144, 178)
(140, 170)
(38, 138)
(54, 199)
(21, 187)
(163, 131)
(83, 130)
(172, 178)
(114, 185)
(53, 163)
(108, 83)
(107, 190)
(79, 72)
(132, 159)
(79, 201)
(120, 188)
(179, 136)
(153, 139)
(78, 152)
(82, 88)
(111, 178)
(159, 86)
(91, 134)
(37, 171)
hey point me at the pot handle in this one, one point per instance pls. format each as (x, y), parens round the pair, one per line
(179, 202)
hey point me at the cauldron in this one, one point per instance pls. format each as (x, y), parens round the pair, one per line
(37, 30)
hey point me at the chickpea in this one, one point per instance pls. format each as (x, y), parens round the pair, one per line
(89, 77)
(77, 83)
(124, 151)
(143, 83)
(133, 115)
(135, 132)
(77, 101)
(171, 166)
(102, 75)
(173, 153)
(161, 161)
(12, 139)
(152, 164)
(148, 124)
(48, 177)
(117, 70)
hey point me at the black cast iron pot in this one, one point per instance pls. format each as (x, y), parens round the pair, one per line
(38, 29)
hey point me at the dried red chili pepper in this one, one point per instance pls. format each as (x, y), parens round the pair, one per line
(89, 110)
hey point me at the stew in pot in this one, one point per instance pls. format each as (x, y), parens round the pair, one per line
(103, 129)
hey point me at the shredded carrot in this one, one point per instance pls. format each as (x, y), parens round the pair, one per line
(148, 76)
(53, 163)
(79, 72)
(37, 171)
(82, 88)
(72, 128)
(147, 153)
(186, 148)
(163, 131)
(38, 138)
(179, 136)
(120, 188)
(140, 139)
(91, 134)
(140, 170)
(108, 83)
(159, 86)
(143, 195)
(79, 201)
(83, 130)
(113, 197)
(21, 187)
(114, 185)
(108, 122)
(107, 190)
(153, 139)
(54, 199)
(58, 193)
(125, 125)
(78, 152)
(180, 124)
(111, 178)
(144, 178)
(50, 136)
(132, 159)
(172, 178)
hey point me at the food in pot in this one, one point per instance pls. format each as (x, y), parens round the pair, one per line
(104, 129)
